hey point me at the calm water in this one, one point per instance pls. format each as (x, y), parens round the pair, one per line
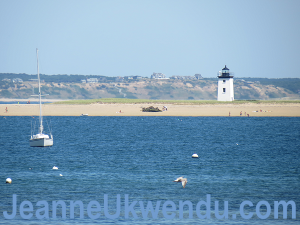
(254, 159)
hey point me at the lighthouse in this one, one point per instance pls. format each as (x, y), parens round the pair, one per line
(225, 85)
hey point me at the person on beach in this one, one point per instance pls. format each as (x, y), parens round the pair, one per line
(6, 110)
(241, 113)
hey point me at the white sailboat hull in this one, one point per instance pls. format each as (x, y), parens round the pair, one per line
(41, 142)
(40, 139)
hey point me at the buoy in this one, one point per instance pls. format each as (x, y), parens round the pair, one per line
(8, 180)
(55, 168)
(195, 155)
(60, 175)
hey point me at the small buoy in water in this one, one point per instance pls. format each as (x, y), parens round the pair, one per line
(237, 144)
(195, 155)
(60, 175)
(8, 180)
(55, 168)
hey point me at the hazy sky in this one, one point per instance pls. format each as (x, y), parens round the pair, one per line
(254, 38)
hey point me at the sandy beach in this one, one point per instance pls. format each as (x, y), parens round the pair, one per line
(260, 110)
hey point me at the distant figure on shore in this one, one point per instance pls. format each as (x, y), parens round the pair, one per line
(248, 115)
(241, 113)
(229, 113)
(28, 102)
(6, 110)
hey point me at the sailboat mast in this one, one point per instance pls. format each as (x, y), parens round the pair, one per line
(40, 95)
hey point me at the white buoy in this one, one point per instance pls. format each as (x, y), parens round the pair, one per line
(60, 175)
(8, 180)
(55, 168)
(194, 155)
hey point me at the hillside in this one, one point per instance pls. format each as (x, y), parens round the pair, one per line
(170, 89)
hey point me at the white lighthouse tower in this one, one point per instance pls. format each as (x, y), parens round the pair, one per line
(225, 85)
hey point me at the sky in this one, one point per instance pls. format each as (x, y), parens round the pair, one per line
(254, 38)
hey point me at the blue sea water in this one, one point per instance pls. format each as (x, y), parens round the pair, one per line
(240, 159)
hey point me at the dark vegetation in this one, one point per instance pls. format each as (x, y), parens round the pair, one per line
(151, 109)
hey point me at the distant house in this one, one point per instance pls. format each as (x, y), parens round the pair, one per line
(17, 80)
(92, 80)
(158, 76)
(6, 80)
(184, 77)
(198, 76)
(83, 81)
(128, 77)
(132, 77)
(119, 79)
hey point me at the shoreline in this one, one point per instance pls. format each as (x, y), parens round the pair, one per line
(256, 110)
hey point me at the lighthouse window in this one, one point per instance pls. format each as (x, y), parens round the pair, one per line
(224, 81)
(224, 90)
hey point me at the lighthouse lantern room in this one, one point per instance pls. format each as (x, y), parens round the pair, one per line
(225, 85)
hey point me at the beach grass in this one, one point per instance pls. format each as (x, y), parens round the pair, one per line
(174, 102)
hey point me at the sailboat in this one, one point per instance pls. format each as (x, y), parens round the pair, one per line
(40, 139)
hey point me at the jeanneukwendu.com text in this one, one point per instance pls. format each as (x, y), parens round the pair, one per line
(168, 209)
